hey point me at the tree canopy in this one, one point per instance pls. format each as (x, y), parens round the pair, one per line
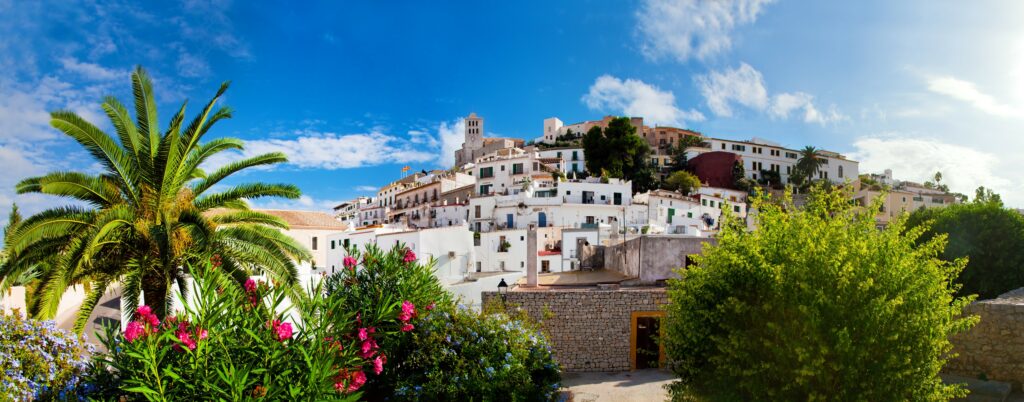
(816, 304)
(989, 236)
(152, 211)
(683, 182)
(620, 152)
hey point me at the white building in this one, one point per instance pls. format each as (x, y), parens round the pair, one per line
(311, 229)
(697, 215)
(570, 203)
(348, 211)
(571, 159)
(759, 154)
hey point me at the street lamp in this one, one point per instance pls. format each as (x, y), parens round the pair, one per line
(502, 289)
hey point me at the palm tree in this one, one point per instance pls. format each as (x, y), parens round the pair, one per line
(809, 162)
(151, 212)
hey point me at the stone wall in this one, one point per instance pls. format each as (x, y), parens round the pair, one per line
(659, 255)
(995, 346)
(589, 327)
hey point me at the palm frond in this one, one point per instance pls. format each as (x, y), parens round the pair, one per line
(145, 112)
(98, 191)
(234, 167)
(246, 192)
(100, 145)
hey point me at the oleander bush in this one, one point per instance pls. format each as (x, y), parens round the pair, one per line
(39, 361)
(422, 362)
(235, 340)
(816, 304)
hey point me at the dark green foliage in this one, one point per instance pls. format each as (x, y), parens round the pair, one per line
(988, 235)
(463, 355)
(619, 151)
(816, 304)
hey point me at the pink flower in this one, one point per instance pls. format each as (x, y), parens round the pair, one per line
(349, 262)
(363, 334)
(186, 339)
(203, 334)
(153, 321)
(134, 331)
(430, 306)
(283, 331)
(250, 285)
(356, 381)
(368, 348)
(144, 311)
(378, 364)
(409, 256)
(408, 311)
(407, 327)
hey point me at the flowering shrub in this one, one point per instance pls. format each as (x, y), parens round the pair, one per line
(39, 361)
(404, 314)
(389, 293)
(234, 341)
(459, 354)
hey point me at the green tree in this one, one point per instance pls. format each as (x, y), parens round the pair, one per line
(989, 236)
(618, 150)
(816, 304)
(682, 181)
(986, 196)
(809, 162)
(151, 211)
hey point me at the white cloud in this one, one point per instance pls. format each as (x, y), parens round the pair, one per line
(744, 86)
(330, 151)
(92, 71)
(684, 29)
(451, 136)
(637, 98)
(303, 203)
(190, 65)
(917, 159)
(366, 188)
(966, 91)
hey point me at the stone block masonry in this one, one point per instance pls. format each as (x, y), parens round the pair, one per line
(589, 328)
(994, 348)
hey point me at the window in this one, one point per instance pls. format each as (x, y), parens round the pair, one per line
(517, 168)
(476, 211)
(723, 146)
(347, 243)
(738, 147)
(332, 244)
(736, 208)
(486, 172)
(791, 155)
(502, 168)
(314, 243)
(559, 154)
(704, 202)
(575, 157)
(485, 189)
(840, 172)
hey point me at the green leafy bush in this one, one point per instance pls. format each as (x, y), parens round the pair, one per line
(463, 355)
(39, 361)
(234, 342)
(989, 236)
(816, 304)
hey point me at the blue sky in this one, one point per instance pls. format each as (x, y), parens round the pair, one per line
(352, 91)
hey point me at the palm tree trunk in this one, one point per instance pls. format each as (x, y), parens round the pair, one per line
(154, 291)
